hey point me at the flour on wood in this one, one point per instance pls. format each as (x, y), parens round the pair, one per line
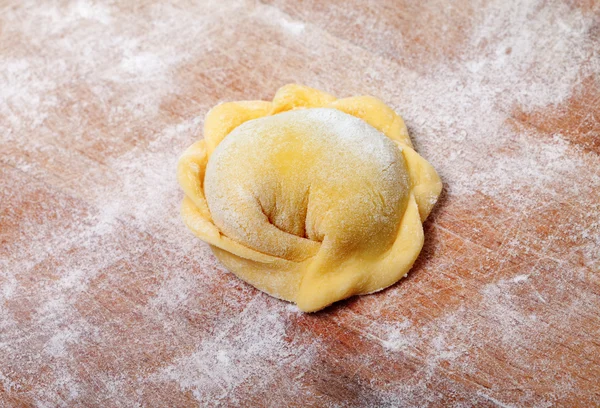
(104, 296)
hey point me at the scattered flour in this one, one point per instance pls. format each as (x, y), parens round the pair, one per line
(294, 27)
(520, 278)
(225, 361)
(460, 114)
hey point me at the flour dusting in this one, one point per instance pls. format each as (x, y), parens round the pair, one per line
(106, 299)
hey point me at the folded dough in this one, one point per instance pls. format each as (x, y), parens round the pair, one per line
(308, 198)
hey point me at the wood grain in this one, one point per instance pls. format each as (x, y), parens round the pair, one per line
(107, 300)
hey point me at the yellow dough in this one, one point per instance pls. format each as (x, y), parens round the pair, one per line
(308, 198)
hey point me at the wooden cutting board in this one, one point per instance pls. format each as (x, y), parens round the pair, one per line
(107, 300)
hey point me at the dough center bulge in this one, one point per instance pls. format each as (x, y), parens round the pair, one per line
(287, 183)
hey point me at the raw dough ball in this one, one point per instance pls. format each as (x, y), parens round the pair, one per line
(310, 205)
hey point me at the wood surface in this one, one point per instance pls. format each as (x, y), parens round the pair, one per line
(106, 300)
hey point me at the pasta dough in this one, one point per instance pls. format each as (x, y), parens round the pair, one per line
(308, 198)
